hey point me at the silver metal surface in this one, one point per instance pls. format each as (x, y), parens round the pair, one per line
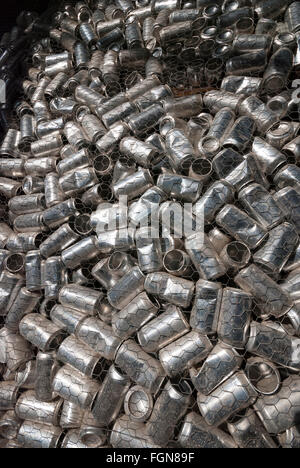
(150, 221)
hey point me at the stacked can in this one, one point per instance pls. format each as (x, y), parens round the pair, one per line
(149, 241)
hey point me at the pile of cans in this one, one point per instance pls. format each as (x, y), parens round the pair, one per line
(150, 252)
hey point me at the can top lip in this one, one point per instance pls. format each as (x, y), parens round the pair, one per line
(274, 83)
(93, 437)
(210, 145)
(138, 403)
(286, 37)
(276, 104)
(238, 253)
(256, 369)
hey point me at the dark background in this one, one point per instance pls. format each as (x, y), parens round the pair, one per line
(10, 9)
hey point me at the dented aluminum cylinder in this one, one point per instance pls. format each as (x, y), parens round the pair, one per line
(184, 353)
(241, 226)
(177, 291)
(248, 432)
(138, 312)
(275, 252)
(110, 397)
(264, 118)
(251, 63)
(17, 351)
(278, 412)
(9, 393)
(130, 434)
(24, 304)
(196, 433)
(216, 196)
(205, 312)
(288, 176)
(211, 144)
(148, 373)
(269, 340)
(83, 251)
(179, 149)
(78, 355)
(66, 318)
(133, 185)
(268, 294)
(81, 298)
(180, 187)
(234, 318)
(143, 153)
(40, 332)
(30, 408)
(292, 17)
(99, 336)
(33, 434)
(73, 386)
(204, 257)
(261, 205)
(278, 71)
(46, 368)
(169, 407)
(219, 365)
(128, 287)
(162, 330)
(290, 438)
(233, 395)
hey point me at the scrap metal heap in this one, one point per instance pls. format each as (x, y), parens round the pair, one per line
(118, 332)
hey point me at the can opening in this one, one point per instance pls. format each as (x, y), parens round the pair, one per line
(238, 252)
(225, 36)
(264, 377)
(222, 51)
(55, 342)
(105, 192)
(210, 145)
(113, 88)
(201, 167)
(244, 25)
(209, 32)
(8, 430)
(214, 65)
(198, 24)
(102, 164)
(139, 404)
(211, 11)
(82, 224)
(275, 84)
(92, 439)
(19, 191)
(278, 104)
(286, 38)
(116, 261)
(173, 261)
(15, 263)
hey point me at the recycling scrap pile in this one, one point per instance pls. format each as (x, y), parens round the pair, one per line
(118, 333)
